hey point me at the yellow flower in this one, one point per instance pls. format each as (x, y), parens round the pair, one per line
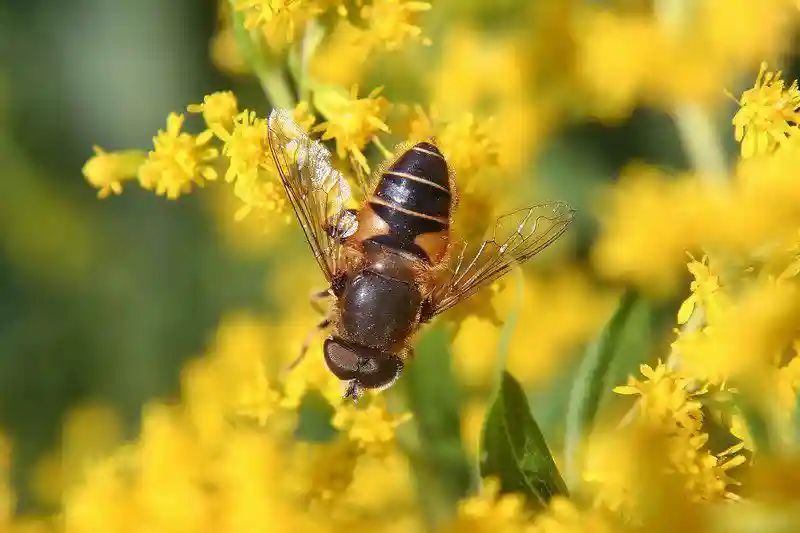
(664, 399)
(763, 122)
(246, 146)
(217, 108)
(389, 21)
(615, 56)
(178, 160)
(490, 511)
(347, 45)
(107, 170)
(279, 20)
(705, 291)
(372, 427)
(563, 516)
(303, 115)
(322, 473)
(352, 122)
(467, 142)
(666, 405)
(259, 194)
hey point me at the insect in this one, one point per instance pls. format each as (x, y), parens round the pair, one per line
(391, 264)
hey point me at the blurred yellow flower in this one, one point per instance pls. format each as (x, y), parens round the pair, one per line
(351, 121)
(705, 292)
(613, 70)
(217, 108)
(348, 45)
(246, 146)
(467, 142)
(664, 400)
(223, 49)
(490, 511)
(107, 170)
(763, 122)
(372, 427)
(389, 21)
(667, 406)
(178, 160)
(303, 115)
(322, 473)
(564, 516)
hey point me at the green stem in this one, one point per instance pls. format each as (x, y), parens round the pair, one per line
(696, 129)
(275, 87)
(267, 68)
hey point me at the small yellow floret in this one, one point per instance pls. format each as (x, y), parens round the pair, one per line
(107, 170)
(763, 122)
(178, 160)
(217, 108)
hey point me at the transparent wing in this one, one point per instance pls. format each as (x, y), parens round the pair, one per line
(516, 237)
(316, 190)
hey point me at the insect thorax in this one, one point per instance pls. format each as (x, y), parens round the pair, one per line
(381, 302)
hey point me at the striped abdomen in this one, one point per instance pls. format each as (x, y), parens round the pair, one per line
(412, 201)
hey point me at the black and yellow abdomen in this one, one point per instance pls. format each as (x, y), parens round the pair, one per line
(409, 211)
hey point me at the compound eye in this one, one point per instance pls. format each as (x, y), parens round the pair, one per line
(341, 360)
(379, 370)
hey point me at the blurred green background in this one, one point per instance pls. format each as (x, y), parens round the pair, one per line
(104, 300)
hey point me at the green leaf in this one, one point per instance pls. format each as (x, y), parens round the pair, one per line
(436, 451)
(514, 450)
(757, 421)
(591, 380)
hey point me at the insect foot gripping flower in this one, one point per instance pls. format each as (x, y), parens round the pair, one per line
(352, 122)
(763, 122)
(178, 160)
(107, 170)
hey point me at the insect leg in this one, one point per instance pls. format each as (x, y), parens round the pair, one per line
(317, 298)
(352, 391)
(306, 343)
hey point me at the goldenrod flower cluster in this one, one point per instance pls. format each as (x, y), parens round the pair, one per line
(231, 455)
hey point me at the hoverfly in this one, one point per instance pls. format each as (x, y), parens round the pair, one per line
(389, 263)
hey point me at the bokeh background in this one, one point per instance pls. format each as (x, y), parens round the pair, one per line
(103, 302)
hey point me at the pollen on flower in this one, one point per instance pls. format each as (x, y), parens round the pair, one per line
(178, 160)
(352, 121)
(107, 170)
(217, 108)
(389, 21)
(767, 113)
